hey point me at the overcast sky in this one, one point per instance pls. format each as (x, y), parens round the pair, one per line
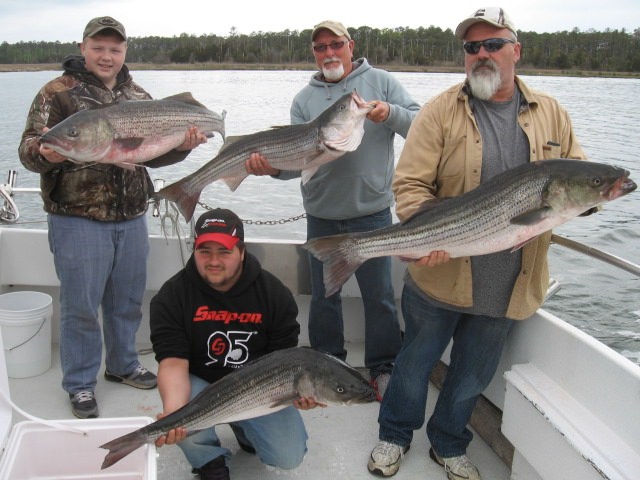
(64, 20)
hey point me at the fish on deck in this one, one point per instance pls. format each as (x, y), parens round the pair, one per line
(506, 212)
(266, 385)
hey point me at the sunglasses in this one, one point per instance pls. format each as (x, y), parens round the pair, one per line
(491, 45)
(335, 46)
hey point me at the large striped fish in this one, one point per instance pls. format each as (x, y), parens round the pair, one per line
(266, 385)
(503, 213)
(304, 147)
(133, 132)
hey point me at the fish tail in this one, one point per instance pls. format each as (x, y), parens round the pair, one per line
(185, 199)
(122, 446)
(335, 252)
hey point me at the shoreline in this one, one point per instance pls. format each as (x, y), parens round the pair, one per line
(39, 67)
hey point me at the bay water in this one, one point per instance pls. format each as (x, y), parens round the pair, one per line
(598, 298)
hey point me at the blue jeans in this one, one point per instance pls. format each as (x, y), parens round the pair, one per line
(280, 438)
(382, 329)
(477, 347)
(98, 264)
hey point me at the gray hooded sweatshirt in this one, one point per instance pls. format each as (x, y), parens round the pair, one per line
(358, 183)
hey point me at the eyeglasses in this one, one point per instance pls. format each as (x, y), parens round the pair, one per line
(335, 46)
(491, 45)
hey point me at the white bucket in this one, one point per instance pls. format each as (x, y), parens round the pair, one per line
(25, 323)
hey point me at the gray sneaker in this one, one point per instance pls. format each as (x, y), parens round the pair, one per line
(385, 458)
(457, 468)
(140, 378)
(83, 404)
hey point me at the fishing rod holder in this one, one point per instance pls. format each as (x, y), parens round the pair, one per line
(9, 210)
(158, 184)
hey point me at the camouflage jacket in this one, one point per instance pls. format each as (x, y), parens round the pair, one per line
(97, 191)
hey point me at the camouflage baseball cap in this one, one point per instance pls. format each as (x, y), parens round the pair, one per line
(99, 24)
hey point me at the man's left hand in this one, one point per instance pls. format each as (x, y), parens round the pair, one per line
(380, 111)
(304, 403)
(192, 139)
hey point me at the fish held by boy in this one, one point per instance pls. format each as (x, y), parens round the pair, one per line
(133, 132)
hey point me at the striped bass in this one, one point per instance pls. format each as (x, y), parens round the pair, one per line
(505, 212)
(132, 132)
(303, 147)
(266, 385)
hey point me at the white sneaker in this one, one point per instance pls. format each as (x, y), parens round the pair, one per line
(385, 458)
(457, 468)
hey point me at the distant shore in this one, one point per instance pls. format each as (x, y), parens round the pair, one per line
(39, 67)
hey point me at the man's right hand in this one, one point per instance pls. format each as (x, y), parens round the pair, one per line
(258, 165)
(436, 258)
(51, 155)
(172, 437)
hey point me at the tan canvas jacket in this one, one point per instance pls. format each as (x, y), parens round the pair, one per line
(442, 157)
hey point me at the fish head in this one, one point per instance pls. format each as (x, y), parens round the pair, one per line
(85, 136)
(331, 381)
(577, 185)
(342, 124)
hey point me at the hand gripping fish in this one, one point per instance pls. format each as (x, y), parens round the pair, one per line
(303, 147)
(506, 212)
(266, 385)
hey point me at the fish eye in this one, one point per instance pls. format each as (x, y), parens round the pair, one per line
(340, 389)
(596, 181)
(73, 132)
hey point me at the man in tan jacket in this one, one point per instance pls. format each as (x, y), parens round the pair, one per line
(471, 132)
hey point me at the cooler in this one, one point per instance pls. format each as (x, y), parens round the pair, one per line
(34, 451)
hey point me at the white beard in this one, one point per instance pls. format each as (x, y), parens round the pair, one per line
(484, 84)
(333, 74)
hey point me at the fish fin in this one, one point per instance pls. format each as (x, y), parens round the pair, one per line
(129, 166)
(234, 182)
(122, 446)
(185, 97)
(130, 143)
(306, 175)
(228, 141)
(283, 402)
(185, 201)
(425, 206)
(522, 244)
(339, 264)
(532, 217)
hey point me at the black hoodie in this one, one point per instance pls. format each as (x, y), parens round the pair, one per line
(220, 331)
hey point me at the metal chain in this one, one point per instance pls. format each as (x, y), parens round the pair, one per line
(263, 222)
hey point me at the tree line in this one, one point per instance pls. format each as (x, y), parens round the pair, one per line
(606, 51)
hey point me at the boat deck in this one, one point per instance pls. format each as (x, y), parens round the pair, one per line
(340, 438)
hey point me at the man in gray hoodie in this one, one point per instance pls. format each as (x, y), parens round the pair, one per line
(352, 194)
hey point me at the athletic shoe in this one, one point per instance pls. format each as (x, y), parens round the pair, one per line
(216, 469)
(380, 384)
(457, 468)
(140, 378)
(83, 404)
(385, 458)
